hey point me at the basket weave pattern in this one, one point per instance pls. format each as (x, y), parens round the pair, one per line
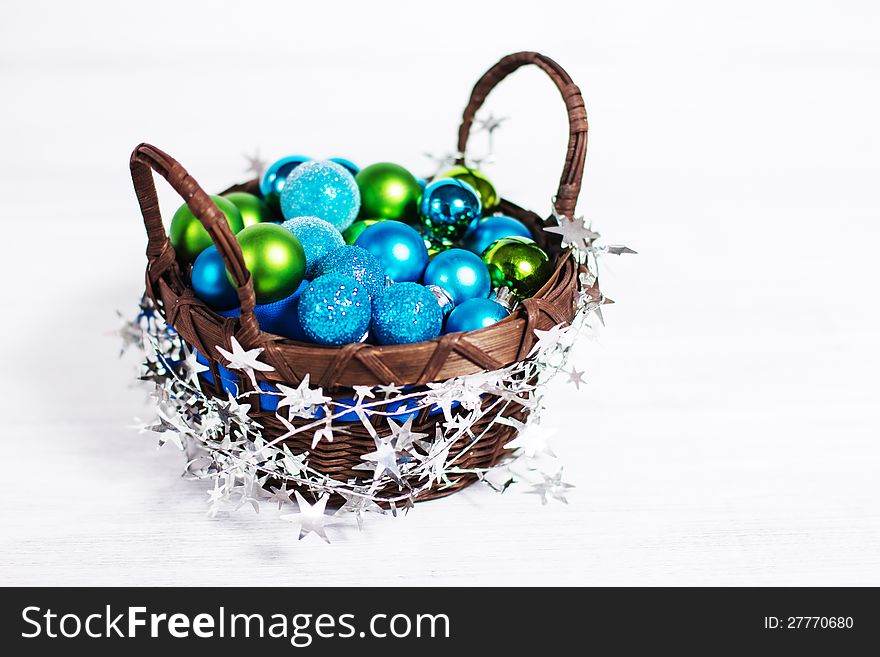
(336, 369)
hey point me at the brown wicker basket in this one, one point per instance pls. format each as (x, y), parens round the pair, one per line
(338, 368)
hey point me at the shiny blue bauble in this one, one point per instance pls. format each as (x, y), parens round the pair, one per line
(399, 248)
(356, 262)
(474, 314)
(482, 232)
(278, 317)
(422, 184)
(404, 313)
(348, 165)
(334, 309)
(321, 189)
(460, 273)
(210, 283)
(273, 178)
(318, 238)
(448, 207)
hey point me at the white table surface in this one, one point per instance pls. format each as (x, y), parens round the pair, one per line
(728, 433)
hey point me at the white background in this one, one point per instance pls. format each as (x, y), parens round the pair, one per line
(728, 434)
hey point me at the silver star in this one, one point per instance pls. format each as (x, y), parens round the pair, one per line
(281, 496)
(402, 436)
(616, 249)
(384, 459)
(490, 123)
(302, 400)
(390, 390)
(310, 516)
(246, 361)
(359, 503)
(573, 232)
(576, 377)
(256, 164)
(191, 367)
(551, 487)
(548, 339)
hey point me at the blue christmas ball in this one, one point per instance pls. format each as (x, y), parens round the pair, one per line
(448, 207)
(317, 237)
(273, 178)
(348, 165)
(460, 273)
(482, 232)
(399, 248)
(474, 314)
(334, 309)
(278, 317)
(210, 283)
(321, 189)
(404, 313)
(356, 262)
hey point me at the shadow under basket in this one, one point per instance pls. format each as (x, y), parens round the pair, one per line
(337, 369)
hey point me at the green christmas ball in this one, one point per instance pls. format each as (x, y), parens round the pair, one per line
(275, 259)
(477, 180)
(519, 264)
(351, 233)
(388, 191)
(253, 209)
(189, 238)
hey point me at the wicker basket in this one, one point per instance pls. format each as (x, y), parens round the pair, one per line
(338, 368)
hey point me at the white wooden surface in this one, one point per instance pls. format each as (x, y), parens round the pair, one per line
(728, 434)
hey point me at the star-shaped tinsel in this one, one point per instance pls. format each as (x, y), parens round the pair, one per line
(245, 361)
(358, 503)
(281, 496)
(402, 435)
(548, 339)
(310, 516)
(575, 376)
(301, 401)
(384, 460)
(191, 367)
(256, 165)
(551, 488)
(573, 232)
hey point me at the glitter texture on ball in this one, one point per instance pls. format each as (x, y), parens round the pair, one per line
(318, 238)
(405, 313)
(334, 310)
(356, 262)
(321, 189)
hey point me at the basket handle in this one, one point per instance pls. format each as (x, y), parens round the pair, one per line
(144, 160)
(573, 171)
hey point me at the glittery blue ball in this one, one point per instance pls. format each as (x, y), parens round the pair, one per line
(482, 232)
(334, 309)
(348, 165)
(278, 317)
(399, 248)
(210, 283)
(321, 189)
(460, 273)
(356, 262)
(448, 207)
(277, 172)
(404, 313)
(474, 314)
(318, 238)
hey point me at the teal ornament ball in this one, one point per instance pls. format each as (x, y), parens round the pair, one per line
(321, 189)
(460, 273)
(474, 314)
(334, 310)
(317, 237)
(210, 283)
(448, 207)
(356, 262)
(483, 232)
(405, 313)
(276, 174)
(399, 248)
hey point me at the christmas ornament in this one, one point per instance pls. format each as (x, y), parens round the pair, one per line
(519, 264)
(210, 282)
(275, 176)
(356, 262)
(388, 191)
(443, 299)
(317, 238)
(399, 249)
(253, 209)
(278, 317)
(189, 238)
(482, 232)
(275, 259)
(348, 165)
(460, 273)
(404, 313)
(334, 309)
(478, 180)
(353, 232)
(448, 207)
(321, 189)
(474, 314)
